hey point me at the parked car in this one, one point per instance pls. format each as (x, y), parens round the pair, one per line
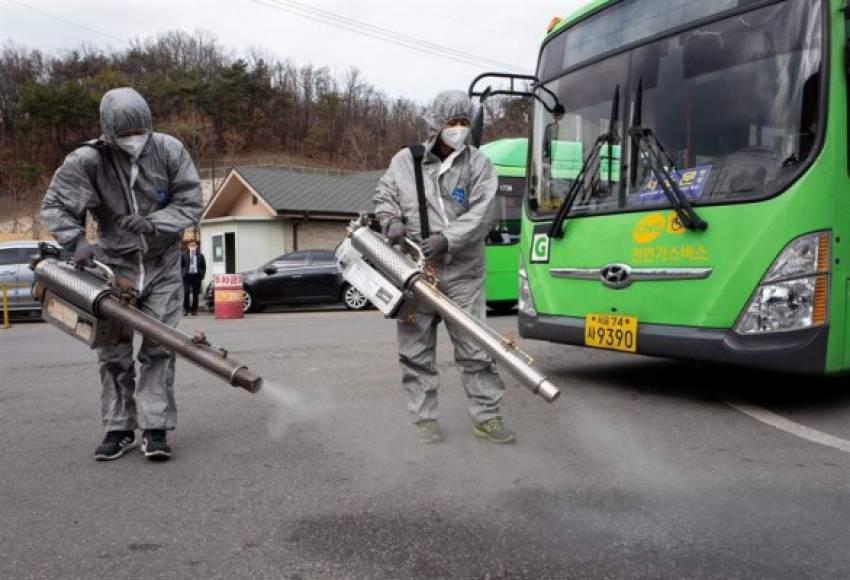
(303, 277)
(16, 275)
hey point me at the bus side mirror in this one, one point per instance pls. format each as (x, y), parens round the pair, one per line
(478, 127)
(478, 122)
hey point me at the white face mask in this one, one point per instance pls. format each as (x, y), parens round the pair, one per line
(133, 144)
(454, 137)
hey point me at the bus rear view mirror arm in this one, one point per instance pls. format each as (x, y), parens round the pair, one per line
(555, 108)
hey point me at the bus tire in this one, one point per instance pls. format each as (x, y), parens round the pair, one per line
(502, 307)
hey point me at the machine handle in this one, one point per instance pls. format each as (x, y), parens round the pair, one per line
(420, 261)
(106, 271)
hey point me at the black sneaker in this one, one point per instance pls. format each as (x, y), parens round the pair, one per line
(115, 444)
(154, 445)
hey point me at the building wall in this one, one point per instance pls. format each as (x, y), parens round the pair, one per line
(207, 233)
(245, 206)
(235, 199)
(315, 234)
(257, 242)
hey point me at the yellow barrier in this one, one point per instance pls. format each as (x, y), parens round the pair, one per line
(6, 307)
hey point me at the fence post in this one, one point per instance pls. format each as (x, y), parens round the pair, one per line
(6, 307)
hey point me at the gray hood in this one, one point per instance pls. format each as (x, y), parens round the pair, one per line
(446, 106)
(123, 109)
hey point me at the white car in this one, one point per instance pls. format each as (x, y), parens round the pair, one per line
(17, 277)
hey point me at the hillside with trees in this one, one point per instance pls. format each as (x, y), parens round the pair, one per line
(226, 108)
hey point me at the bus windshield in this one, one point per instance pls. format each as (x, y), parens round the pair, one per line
(507, 216)
(735, 103)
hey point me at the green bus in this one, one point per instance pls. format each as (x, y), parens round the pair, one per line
(714, 231)
(500, 286)
(509, 158)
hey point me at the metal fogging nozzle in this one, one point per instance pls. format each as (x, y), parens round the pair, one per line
(247, 380)
(548, 391)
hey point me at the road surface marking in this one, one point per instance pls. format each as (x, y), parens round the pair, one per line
(780, 422)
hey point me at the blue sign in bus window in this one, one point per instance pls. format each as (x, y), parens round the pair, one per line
(691, 181)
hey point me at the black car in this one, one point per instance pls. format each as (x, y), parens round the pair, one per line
(303, 277)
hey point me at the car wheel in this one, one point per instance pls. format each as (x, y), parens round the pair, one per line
(248, 303)
(353, 299)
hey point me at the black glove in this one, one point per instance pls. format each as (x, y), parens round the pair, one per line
(135, 223)
(396, 232)
(434, 246)
(84, 255)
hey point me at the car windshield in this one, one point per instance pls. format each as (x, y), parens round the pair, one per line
(735, 104)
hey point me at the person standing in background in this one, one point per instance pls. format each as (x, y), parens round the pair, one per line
(194, 268)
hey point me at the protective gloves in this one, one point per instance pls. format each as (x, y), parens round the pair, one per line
(84, 255)
(396, 232)
(434, 246)
(136, 224)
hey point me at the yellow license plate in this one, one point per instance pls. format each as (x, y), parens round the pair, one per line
(611, 332)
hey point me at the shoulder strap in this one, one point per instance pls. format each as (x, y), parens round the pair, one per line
(103, 148)
(418, 152)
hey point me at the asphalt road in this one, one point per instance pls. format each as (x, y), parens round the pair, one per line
(640, 470)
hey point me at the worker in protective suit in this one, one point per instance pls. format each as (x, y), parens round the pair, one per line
(143, 191)
(459, 186)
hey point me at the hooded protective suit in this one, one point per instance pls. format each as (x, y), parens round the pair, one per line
(460, 192)
(162, 186)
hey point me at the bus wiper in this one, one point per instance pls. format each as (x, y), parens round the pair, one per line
(610, 138)
(659, 162)
(647, 143)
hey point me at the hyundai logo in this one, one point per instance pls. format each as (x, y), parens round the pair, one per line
(617, 276)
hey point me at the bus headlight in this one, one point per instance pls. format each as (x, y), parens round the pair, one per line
(793, 294)
(525, 303)
(790, 305)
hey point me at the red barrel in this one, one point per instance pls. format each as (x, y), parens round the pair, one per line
(228, 295)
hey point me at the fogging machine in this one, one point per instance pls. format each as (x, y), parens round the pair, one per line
(394, 283)
(97, 311)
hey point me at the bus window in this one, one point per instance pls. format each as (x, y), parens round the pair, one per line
(507, 218)
(628, 22)
(735, 112)
(559, 146)
(736, 104)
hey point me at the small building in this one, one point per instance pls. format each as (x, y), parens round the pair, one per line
(259, 213)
